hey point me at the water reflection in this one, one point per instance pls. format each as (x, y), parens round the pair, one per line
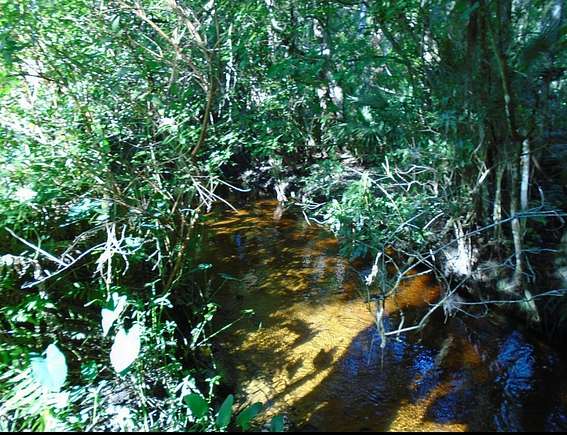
(312, 350)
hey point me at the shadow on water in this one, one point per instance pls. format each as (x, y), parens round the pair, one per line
(311, 351)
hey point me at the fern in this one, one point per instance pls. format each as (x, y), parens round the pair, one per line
(29, 403)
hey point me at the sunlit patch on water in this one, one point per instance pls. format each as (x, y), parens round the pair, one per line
(311, 350)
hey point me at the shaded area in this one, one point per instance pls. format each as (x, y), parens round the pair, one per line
(311, 351)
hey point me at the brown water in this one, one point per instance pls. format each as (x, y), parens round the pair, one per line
(311, 350)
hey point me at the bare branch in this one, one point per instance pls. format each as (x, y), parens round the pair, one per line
(46, 254)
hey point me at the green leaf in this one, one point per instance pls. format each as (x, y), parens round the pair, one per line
(197, 404)
(277, 424)
(244, 418)
(126, 348)
(225, 412)
(50, 371)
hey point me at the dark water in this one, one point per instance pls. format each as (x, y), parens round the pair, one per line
(311, 351)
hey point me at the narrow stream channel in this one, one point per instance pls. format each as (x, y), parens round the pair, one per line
(311, 350)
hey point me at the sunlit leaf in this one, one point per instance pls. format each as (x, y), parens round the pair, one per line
(115, 23)
(126, 348)
(50, 371)
(109, 316)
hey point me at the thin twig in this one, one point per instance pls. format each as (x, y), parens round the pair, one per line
(38, 249)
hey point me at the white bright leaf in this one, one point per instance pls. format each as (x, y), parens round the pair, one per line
(61, 400)
(50, 371)
(25, 194)
(110, 316)
(126, 348)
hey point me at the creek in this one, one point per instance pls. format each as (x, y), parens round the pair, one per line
(311, 350)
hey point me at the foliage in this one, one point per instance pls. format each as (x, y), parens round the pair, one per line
(392, 123)
(100, 193)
